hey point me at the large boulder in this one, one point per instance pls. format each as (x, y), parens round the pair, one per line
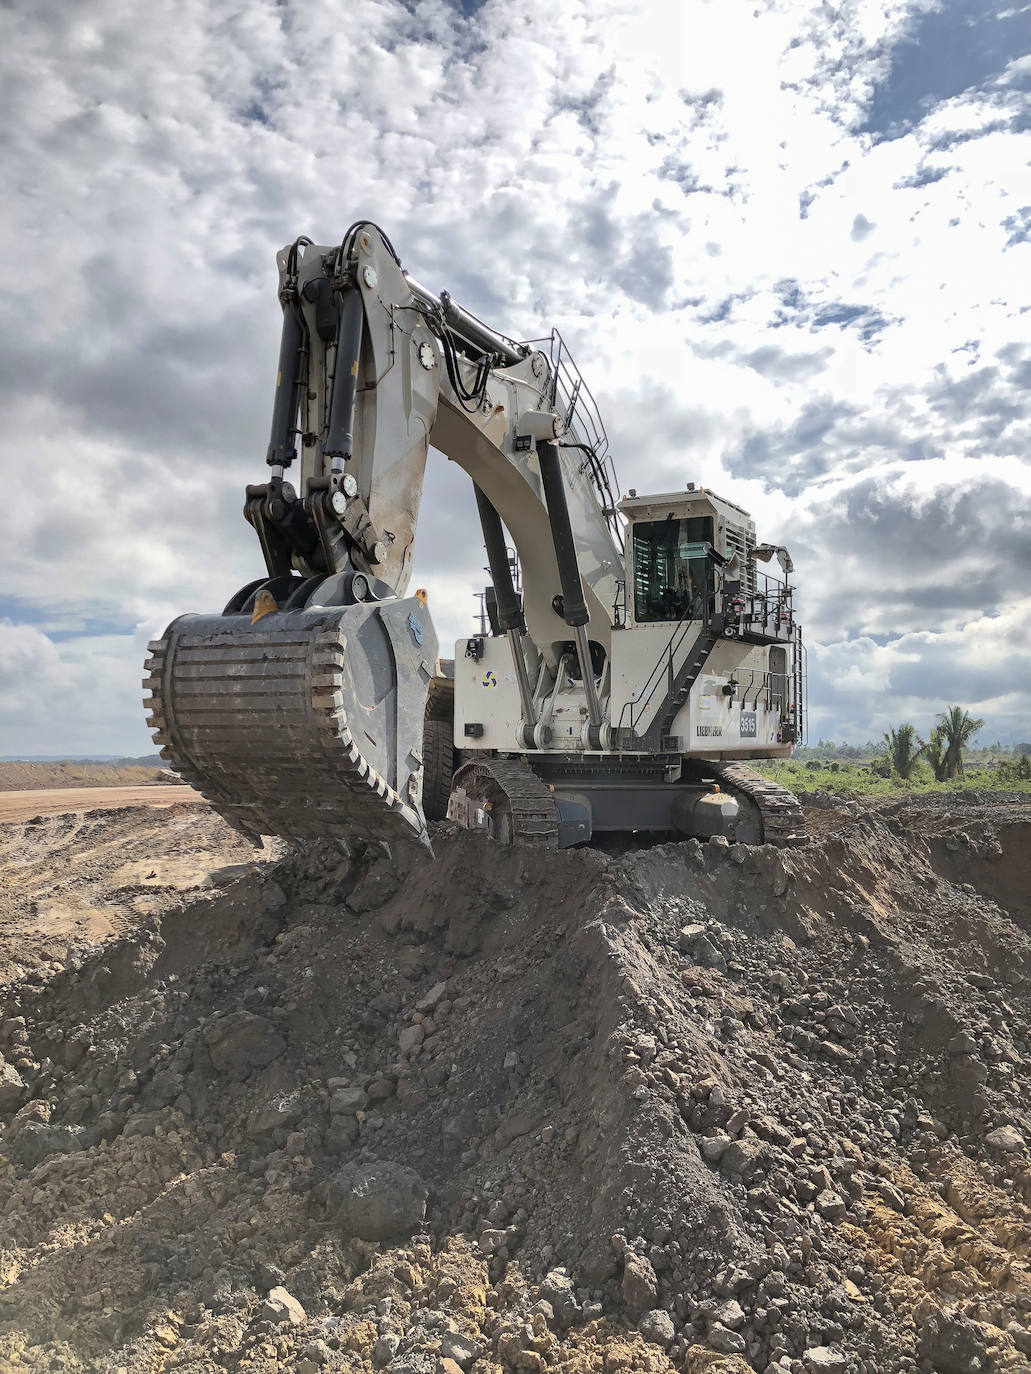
(242, 1042)
(640, 1285)
(954, 1344)
(1004, 1139)
(377, 1200)
(12, 1087)
(36, 1140)
(281, 1308)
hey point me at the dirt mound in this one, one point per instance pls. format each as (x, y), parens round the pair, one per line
(983, 845)
(25, 776)
(699, 1107)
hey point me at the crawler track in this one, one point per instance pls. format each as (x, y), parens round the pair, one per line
(525, 811)
(781, 812)
(524, 807)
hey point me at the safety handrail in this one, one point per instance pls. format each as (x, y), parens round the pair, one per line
(585, 430)
(771, 602)
(801, 685)
(663, 662)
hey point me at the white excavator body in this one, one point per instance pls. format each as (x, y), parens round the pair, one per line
(643, 654)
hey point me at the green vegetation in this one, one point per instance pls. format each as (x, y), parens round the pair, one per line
(904, 749)
(957, 728)
(975, 754)
(935, 752)
(948, 761)
(861, 780)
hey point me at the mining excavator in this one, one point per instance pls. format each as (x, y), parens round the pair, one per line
(643, 657)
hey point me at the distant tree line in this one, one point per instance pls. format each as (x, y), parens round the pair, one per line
(953, 732)
(826, 749)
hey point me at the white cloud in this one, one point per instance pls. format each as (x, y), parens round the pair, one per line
(28, 661)
(676, 185)
(73, 696)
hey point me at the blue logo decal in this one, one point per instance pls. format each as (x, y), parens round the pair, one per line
(415, 628)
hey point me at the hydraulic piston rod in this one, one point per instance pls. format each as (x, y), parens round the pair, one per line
(510, 611)
(583, 653)
(574, 607)
(481, 336)
(293, 347)
(340, 437)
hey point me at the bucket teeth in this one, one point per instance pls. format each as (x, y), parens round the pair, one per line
(283, 733)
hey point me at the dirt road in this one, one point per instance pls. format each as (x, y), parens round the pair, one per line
(87, 864)
(54, 801)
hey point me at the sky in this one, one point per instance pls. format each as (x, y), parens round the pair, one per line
(788, 243)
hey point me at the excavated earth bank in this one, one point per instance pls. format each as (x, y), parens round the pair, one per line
(696, 1107)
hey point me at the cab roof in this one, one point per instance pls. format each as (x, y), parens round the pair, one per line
(632, 503)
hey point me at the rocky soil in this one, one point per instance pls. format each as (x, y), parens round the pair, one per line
(70, 882)
(696, 1107)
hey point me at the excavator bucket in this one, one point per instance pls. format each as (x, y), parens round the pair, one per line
(302, 723)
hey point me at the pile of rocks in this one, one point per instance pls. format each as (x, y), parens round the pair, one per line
(698, 1107)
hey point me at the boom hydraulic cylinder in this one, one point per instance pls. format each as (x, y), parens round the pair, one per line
(574, 607)
(509, 607)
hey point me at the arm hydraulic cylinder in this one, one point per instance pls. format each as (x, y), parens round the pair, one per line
(293, 347)
(510, 611)
(340, 436)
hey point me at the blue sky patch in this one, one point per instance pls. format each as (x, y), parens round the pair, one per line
(962, 45)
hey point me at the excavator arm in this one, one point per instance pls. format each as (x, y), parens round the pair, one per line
(299, 709)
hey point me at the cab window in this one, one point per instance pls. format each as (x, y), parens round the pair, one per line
(672, 571)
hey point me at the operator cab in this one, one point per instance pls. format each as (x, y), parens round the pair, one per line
(676, 543)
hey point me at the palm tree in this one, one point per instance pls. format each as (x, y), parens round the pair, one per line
(904, 748)
(934, 752)
(957, 727)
